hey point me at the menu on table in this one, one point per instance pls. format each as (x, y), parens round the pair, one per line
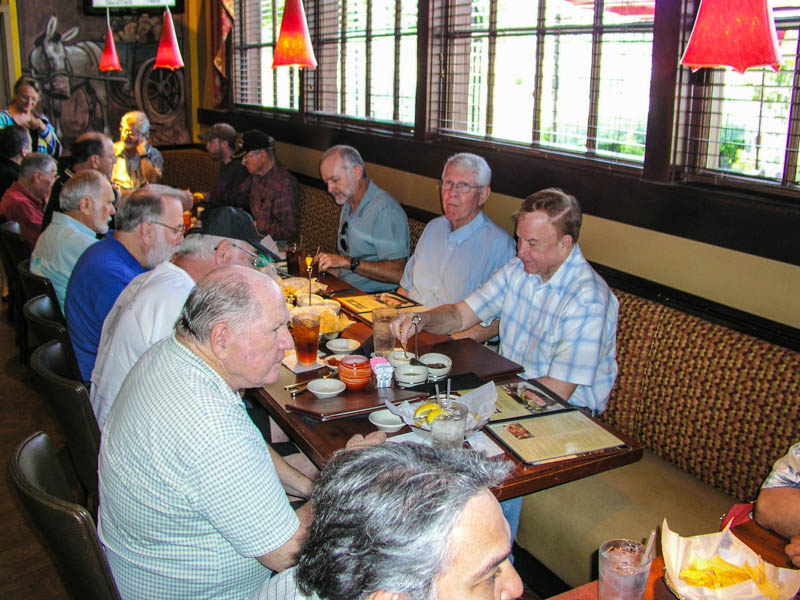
(539, 427)
(363, 305)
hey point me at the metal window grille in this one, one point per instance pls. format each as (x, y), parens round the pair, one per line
(567, 75)
(744, 128)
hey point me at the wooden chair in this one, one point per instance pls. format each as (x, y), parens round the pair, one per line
(66, 526)
(69, 400)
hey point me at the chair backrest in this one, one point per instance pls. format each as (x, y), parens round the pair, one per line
(15, 242)
(35, 285)
(42, 315)
(8, 231)
(69, 400)
(67, 527)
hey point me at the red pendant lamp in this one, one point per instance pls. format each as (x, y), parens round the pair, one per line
(735, 33)
(169, 54)
(294, 42)
(110, 59)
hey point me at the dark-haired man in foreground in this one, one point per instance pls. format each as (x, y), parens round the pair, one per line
(401, 521)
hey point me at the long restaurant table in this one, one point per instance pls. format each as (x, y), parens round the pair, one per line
(764, 542)
(319, 440)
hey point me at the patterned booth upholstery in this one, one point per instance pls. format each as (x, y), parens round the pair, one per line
(714, 407)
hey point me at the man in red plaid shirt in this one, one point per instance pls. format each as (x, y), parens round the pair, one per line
(270, 193)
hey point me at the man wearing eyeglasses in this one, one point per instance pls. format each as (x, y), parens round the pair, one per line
(373, 242)
(148, 229)
(147, 308)
(270, 193)
(138, 162)
(461, 249)
(25, 199)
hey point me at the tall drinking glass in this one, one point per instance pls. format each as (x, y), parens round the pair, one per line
(381, 333)
(623, 570)
(305, 331)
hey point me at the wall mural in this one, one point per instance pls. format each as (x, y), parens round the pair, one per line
(61, 48)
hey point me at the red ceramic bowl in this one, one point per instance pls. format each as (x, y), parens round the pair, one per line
(354, 371)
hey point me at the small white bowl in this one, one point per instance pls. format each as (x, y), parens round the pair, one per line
(386, 421)
(325, 388)
(332, 361)
(398, 358)
(408, 375)
(438, 359)
(342, 345)
(303, 298)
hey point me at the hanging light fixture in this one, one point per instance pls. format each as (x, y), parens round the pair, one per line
(110, 59)
(294, 42)
(739, 34)
(169, 54)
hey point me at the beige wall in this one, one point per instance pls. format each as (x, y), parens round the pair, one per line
(756, 285)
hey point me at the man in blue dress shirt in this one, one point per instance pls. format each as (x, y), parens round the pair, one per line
(461, 249)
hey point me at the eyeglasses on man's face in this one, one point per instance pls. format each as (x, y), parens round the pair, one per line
(257, 261)
(462, 187)
(177, 230)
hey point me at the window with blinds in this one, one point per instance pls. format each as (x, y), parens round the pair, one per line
(256, 83)
(366, 50)
(560, 74)
(744, 127)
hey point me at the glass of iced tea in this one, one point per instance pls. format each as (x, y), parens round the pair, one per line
(305, 331)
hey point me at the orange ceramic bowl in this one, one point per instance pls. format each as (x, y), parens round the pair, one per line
(354, 371)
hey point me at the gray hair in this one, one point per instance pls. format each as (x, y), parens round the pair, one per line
(145, 204)
(200, 245)
(383, 518)
(222, 296)
(138, 119)
(349, 155)
(36, 161)
(472, 162)
(563, 210)
(88, 183)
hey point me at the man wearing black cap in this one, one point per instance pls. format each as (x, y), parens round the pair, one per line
(270, 193)
(220, 142)
(147, 308)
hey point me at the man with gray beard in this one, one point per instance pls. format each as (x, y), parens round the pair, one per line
(148, 229)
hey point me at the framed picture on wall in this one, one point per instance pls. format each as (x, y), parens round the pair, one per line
(122, 7)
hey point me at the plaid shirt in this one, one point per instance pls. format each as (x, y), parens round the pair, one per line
(786, 470)
(272, 199)
(564, 328)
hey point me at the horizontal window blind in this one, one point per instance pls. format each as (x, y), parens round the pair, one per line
(571, 75)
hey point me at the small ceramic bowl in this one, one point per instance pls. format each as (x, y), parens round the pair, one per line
(354, 371)
(325, 388)
(342, 345)
(439, 365)
(386, 421)
(398, 358)
(332, 361)
(303, 298)
(408, 375)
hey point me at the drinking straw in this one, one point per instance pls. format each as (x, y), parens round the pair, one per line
(649, 547)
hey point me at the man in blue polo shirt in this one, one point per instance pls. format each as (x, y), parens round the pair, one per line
(373, 242)
(149, 227)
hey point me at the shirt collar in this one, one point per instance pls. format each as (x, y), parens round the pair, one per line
(64, 219)
(467, 231)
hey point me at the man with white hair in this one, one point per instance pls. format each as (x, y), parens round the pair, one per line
(403, 520)
(147, 308)
(138, 162)
(25, 199)
(192, 502)
(149, 227)
(87, 204)
(461, 249)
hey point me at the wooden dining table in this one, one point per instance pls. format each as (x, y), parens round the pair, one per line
(767, 544)
(320, 439)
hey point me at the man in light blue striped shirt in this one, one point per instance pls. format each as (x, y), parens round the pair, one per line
(558, 318)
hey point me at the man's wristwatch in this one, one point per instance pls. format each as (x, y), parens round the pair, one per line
(354, 262)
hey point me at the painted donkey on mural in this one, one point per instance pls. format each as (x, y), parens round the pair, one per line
(64, 69)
